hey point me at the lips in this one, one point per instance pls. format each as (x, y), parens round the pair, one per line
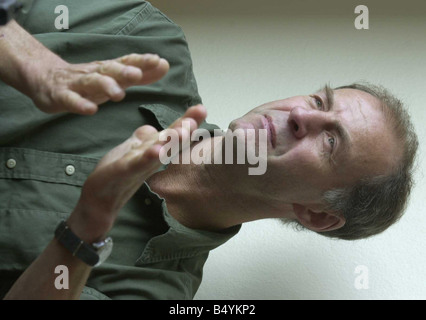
(271, 129)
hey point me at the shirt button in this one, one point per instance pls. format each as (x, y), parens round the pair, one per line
(69, 170)
(148, 201)
(11, 163)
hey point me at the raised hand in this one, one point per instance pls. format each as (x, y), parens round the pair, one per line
(120, 173)
(81, 88)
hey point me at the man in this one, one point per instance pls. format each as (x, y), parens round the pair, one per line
(164, 223)
(47, 157)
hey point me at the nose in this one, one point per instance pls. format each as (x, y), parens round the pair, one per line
(303, 121)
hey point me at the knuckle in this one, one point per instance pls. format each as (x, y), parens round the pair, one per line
(134, 55)
(128, 58)
(105, 67)
(111, 67)
(89, 79)
(84, 80)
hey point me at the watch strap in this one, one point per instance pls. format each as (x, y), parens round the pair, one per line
(75, 245)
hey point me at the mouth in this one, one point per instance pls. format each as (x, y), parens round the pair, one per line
(271, 129)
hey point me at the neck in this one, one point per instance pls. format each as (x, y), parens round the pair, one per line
(212, 196)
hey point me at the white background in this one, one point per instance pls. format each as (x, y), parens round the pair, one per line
(246, 53)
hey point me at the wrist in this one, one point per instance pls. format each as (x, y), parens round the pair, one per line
(23, 58)
(92, 254)
(88, 225)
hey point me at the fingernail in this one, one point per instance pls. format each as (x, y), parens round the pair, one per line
(116, 90)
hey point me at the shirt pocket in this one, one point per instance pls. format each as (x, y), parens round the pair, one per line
(30, 164)
(37, 189)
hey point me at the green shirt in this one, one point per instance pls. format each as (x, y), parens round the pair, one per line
(45, 159)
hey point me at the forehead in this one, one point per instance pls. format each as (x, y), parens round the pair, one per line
(360, 111)
(372, 149)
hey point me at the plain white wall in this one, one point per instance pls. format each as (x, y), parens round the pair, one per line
(246, 53)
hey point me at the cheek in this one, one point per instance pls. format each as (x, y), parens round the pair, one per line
(301, 157)
(303, 163)
(314, 171)
(302, 166)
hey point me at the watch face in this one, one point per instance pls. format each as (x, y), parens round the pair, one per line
(104, 249)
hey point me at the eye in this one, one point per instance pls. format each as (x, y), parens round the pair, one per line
(331, 141)
(318, 102)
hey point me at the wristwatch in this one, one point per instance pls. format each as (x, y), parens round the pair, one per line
(92, 254)
(8, 10)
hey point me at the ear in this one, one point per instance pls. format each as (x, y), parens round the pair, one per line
(316, 219)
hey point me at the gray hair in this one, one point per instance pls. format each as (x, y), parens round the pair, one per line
(373, 204)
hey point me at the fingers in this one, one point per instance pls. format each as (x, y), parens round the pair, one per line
(124, 75)
(101, 81)
(98, 88)
(197, 112)
(80, 88)
(184, 126)
(143, 61)
(143, 148)
(141, 151)
(188, 123)
(154, 74)
(76, 103)
(152, 66)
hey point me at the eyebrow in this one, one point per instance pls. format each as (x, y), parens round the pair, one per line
(329, 94)
(341, 130)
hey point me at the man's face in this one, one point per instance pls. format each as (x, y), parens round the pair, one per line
(321, 141)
